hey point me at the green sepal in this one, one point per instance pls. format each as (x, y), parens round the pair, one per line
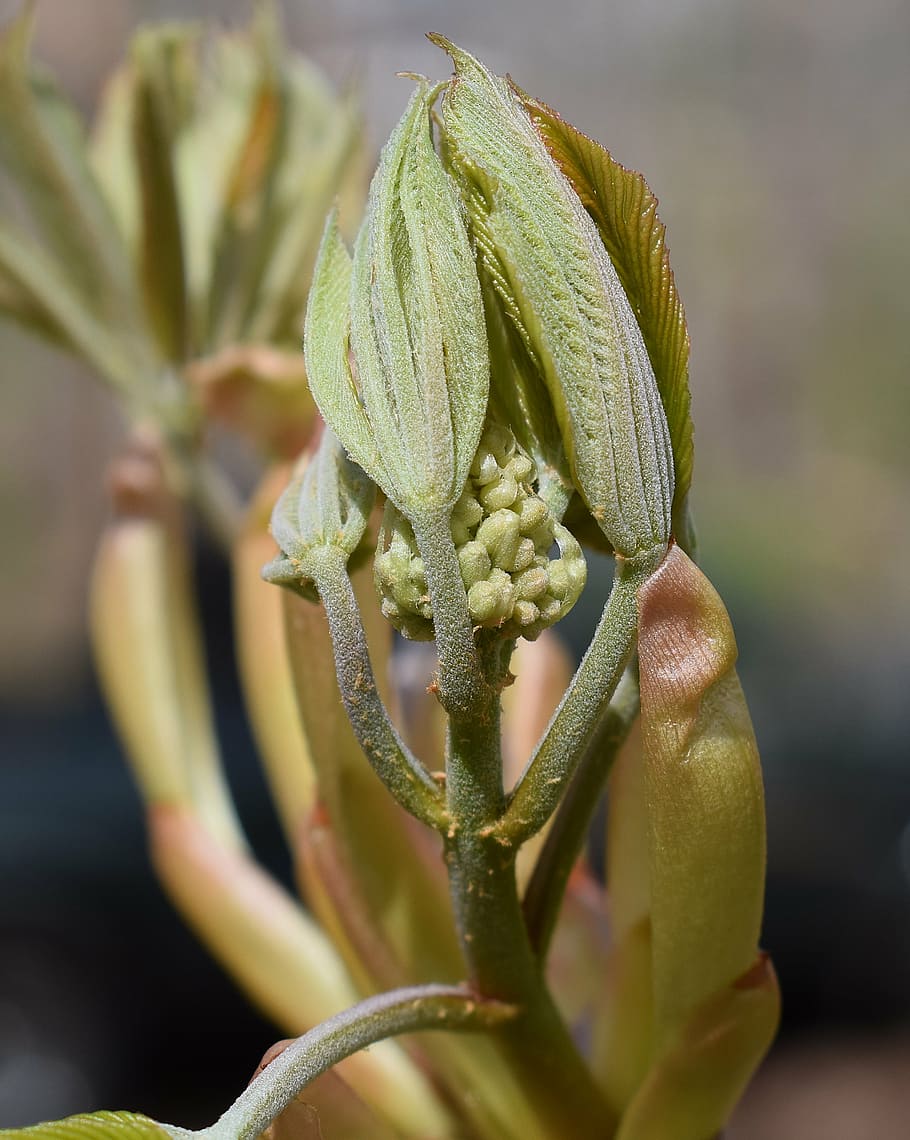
(328, 504)
(413, 411)
(546, 260)
(93, 1126)
(624, 210)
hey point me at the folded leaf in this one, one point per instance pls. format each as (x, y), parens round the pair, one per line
(545, 258)
(40, 295)
(414, 416)
(298, 152)
(165, 84)
(518, 392)
(693, 1087)
(324, 511)
(625, 213)
(704, 793)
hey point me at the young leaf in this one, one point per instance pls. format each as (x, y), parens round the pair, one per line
(704, 792)
(572, 310)
(417, 331)
(92, 1126)
(42, 148)
(327, 505)
(44, 299)
(326, 342)
(625, 213)
(165, 83)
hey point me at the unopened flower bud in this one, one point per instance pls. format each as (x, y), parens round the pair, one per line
(512, 582)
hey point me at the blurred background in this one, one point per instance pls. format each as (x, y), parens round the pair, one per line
(775, 136)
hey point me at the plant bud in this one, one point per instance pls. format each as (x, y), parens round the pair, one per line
(542, 254)
(411, 409)
(326, 505)
(512, 583)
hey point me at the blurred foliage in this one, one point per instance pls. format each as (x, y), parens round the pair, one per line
(774, 136)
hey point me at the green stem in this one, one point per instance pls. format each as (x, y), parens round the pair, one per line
(400, 771)
(548, 773)
(461, 682)
(500, 959)
(409, 1010)
(566, 838)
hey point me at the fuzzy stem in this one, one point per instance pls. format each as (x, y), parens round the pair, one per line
(500, 960)
(548, 773)
(566, 838)
(461, 682)
(400, 771)
(409, 1010)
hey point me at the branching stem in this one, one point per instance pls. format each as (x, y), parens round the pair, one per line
(551, 768)
(500, 960)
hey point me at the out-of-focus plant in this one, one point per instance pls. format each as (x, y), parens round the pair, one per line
(502, 368)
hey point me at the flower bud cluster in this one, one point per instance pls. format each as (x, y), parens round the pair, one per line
(504, 534)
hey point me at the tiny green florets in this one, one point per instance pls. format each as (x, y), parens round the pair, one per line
(503, 534)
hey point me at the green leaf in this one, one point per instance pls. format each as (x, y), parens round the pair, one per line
(165, 82)
(704, 793)
(320, 163)
(17, 300)
(326, 346)
(93, 1126)
(111, 156)
(297, 149)
(42, 297)
(328, 504)
(417, 326)
(572, 311)
(50, 191)
(625, 213)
